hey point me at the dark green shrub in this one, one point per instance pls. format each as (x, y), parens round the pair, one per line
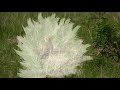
(106, 39)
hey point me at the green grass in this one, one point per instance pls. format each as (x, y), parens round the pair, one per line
(11, 26)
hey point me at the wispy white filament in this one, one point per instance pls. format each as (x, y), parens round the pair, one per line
(50, 48)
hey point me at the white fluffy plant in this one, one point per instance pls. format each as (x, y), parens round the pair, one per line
(50, 48)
